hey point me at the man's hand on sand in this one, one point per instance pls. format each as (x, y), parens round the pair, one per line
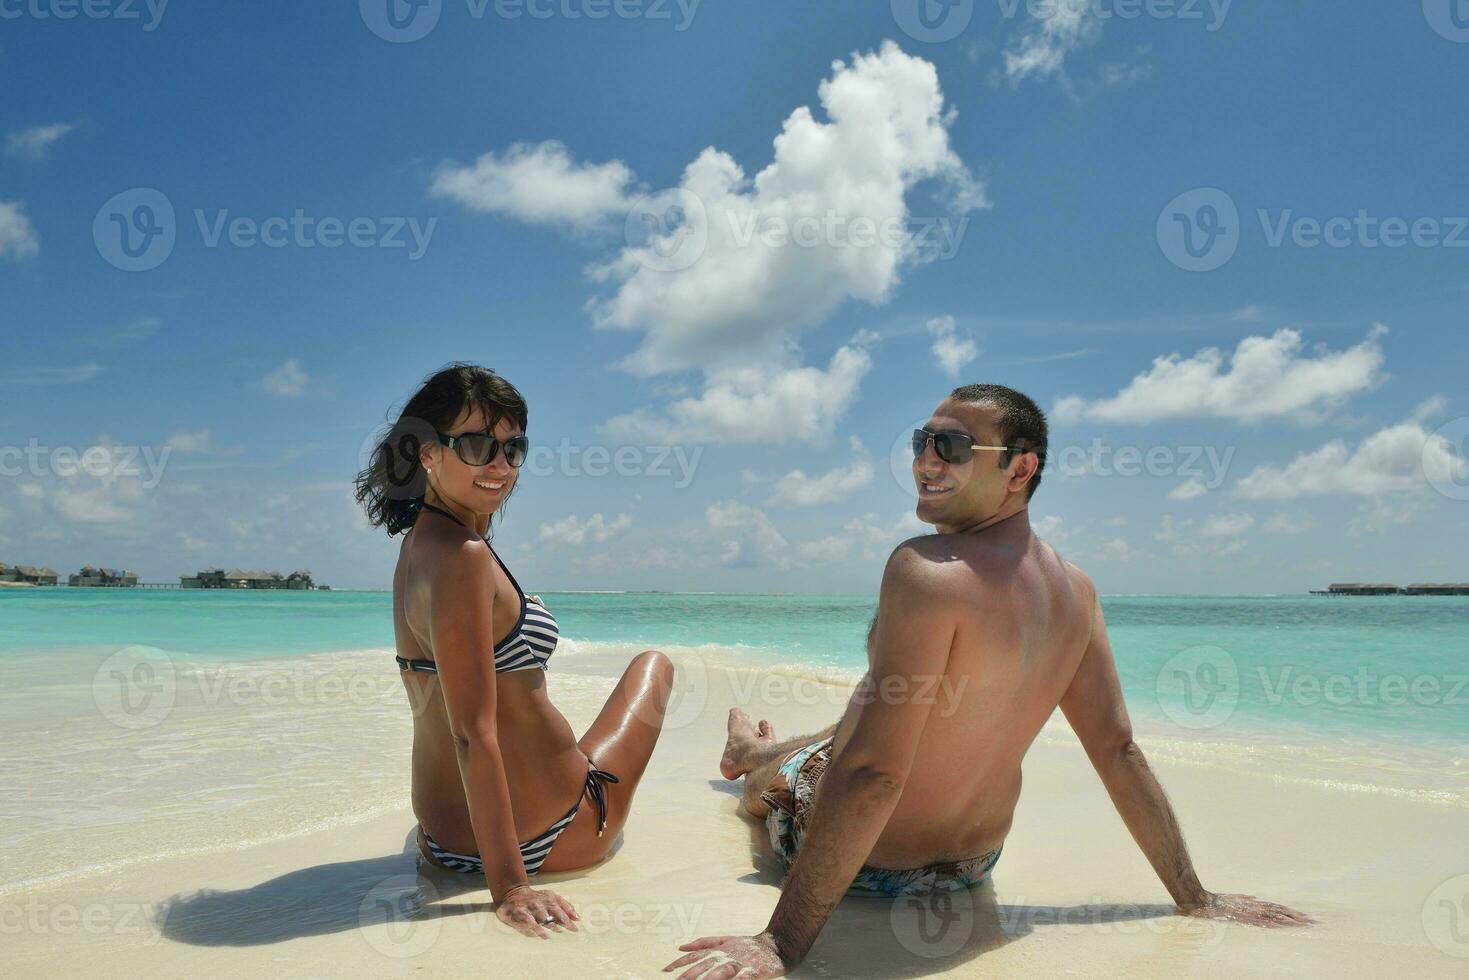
(529, 912)
(1247, 909)
(725, 957)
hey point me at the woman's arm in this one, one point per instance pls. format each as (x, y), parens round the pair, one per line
(461, 632)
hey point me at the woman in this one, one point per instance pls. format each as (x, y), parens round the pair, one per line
(501, 785)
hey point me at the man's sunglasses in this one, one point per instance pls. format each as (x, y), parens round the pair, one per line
(480, 448)
(951, 447)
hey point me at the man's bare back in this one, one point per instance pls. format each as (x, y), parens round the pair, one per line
(1024, 617)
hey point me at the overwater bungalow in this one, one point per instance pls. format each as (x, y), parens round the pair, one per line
(27, 575)
(103, 578)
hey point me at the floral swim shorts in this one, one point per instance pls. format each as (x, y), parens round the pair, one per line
(788, 817)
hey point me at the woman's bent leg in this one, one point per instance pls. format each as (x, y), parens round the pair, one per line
(621, 742)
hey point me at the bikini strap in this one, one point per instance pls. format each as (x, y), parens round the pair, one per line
(599, 795)
(425, 505)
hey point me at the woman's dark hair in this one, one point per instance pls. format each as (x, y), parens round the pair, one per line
(391, 489)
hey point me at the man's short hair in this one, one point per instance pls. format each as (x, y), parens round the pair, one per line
(1022, 423)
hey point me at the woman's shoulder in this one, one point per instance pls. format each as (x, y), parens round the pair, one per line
(449, 555)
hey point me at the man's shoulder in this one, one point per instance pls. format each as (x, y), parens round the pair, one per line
(928, 566)
(1080, 580)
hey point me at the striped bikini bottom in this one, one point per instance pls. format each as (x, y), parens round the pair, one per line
(533, 853)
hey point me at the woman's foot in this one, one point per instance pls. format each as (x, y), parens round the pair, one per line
(743, 738)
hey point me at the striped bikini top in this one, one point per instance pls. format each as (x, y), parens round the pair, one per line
(529, 645)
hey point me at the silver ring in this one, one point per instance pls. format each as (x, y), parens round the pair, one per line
(548, 920)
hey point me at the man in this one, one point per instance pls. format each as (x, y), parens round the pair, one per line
(917, 789)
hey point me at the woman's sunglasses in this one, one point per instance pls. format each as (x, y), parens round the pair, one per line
(479, 448)
(951, 447)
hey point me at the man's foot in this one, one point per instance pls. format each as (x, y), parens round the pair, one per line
(743, 737)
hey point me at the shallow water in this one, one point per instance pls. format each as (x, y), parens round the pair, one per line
(148, 723)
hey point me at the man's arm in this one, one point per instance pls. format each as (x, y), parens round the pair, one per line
(912, 640)
(1093, 705)
(911, 643)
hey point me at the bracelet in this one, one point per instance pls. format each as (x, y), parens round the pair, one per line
(513, 889)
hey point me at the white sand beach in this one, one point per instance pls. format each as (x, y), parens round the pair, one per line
(1386, 876)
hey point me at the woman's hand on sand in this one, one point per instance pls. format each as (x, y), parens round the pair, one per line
(529, 912)
(1249, 910)
(727, 957)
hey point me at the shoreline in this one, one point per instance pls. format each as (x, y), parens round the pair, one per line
(346, 899)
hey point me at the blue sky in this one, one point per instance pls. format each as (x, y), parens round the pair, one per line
(1232, 236)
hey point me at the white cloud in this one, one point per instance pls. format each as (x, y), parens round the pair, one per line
(830, 487)
(18, 238)
(1430, 407)
(1042, 48)
(80, 374)
(1117, 549)
(752, 525)
(34, 143)
(1188, 490)
(539, 183)
(1399, 459)
(866, 538)
(103, 488)
(824, 551)
(950, 351)
(1284, 523)
(753, 404)
(1049, 527)
(287, 381)
(1265, 378)
(1381, 515)
(747, 292)
(574, 531)
(1227, 525)
(1218, 537)
(186, 441)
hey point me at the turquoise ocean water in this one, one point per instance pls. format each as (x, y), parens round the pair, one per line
(1389, 669)
(152, 723)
